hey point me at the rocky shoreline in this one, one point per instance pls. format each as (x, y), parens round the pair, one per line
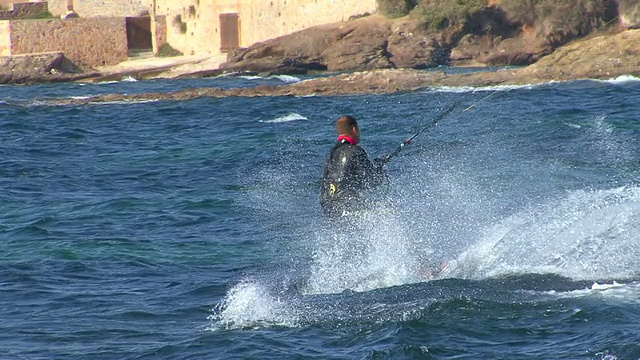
(607, 57)
(373, 54)
(41, 68)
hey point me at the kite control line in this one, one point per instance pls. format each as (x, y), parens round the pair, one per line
(383, 160)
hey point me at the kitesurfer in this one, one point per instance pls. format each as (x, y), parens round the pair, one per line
(348, 172)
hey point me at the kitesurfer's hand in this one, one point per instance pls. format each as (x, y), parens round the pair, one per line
(381, 161)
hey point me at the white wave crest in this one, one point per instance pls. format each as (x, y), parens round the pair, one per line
(468, 89)
(587, 235)
(380, 257)
(286, 78)
(623, 79)
(129, 79)
(250, 305)
(251, 77)
(110, 82)
(287, 118)
(226, 74)
(125, 102)
(614, 291)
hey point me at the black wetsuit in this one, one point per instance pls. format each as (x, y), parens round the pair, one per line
(347, 174)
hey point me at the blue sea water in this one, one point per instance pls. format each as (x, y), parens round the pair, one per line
(192, 229)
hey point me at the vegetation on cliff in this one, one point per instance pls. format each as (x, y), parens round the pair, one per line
(438, 14)
(548, 17)
(629, 12)
(43, 14)
(512, 32)
(395, 8)
(559, 20)
(167, 50)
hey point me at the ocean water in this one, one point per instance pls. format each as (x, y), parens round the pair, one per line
(192, 229)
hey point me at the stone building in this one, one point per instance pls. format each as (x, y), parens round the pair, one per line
(209, 27)
(100, 33)
(213, 26)
(106, 32)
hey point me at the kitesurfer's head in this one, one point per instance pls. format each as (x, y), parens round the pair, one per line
(348, 126)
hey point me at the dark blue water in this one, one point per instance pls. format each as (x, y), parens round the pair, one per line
(192, 230)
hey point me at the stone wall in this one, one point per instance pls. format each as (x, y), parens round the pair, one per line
(7, 4)
(88, 42)
(99, 36)
(5, 38)
(106, 8)
(23, 11)
(269, 19)
(193, 26)
(158, 31)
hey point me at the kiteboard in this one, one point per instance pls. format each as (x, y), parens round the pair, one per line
(438, 271)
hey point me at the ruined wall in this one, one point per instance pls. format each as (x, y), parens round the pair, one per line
(158, 31)
(193, 26)
(6, 4)
(273, 18)
(23, 11)
(5, 38)
(106, 8)
(75, 37)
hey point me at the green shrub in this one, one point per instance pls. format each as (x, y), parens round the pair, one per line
(44, 14)
(395, 8)
(167, 50)
(560, 20)
(438, 14)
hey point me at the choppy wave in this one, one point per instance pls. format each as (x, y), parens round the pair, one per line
(587, 235)
(623, 79)
(153, 213)
(251, 77)
(109, 82)
(250, 305)
(286, 78)
(619, 292)
(472, 89)
(289, 79)
(286, 118)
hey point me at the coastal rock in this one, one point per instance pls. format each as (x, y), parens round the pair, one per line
(491, 51)
(613, 56)
(40, 68)
(501, 33)
(367, 43)
(601, 57)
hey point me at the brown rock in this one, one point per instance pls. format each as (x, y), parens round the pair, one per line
(410, 50)
(600, 57)
(367, 43)
(493, 36)
(39, 68)
(363, 46)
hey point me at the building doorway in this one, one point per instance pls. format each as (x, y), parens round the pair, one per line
(229, 32)
(139, 34)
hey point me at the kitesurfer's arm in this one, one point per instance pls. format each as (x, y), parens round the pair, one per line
(373, 175)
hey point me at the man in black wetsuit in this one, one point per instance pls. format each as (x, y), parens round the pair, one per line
(347, 171)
